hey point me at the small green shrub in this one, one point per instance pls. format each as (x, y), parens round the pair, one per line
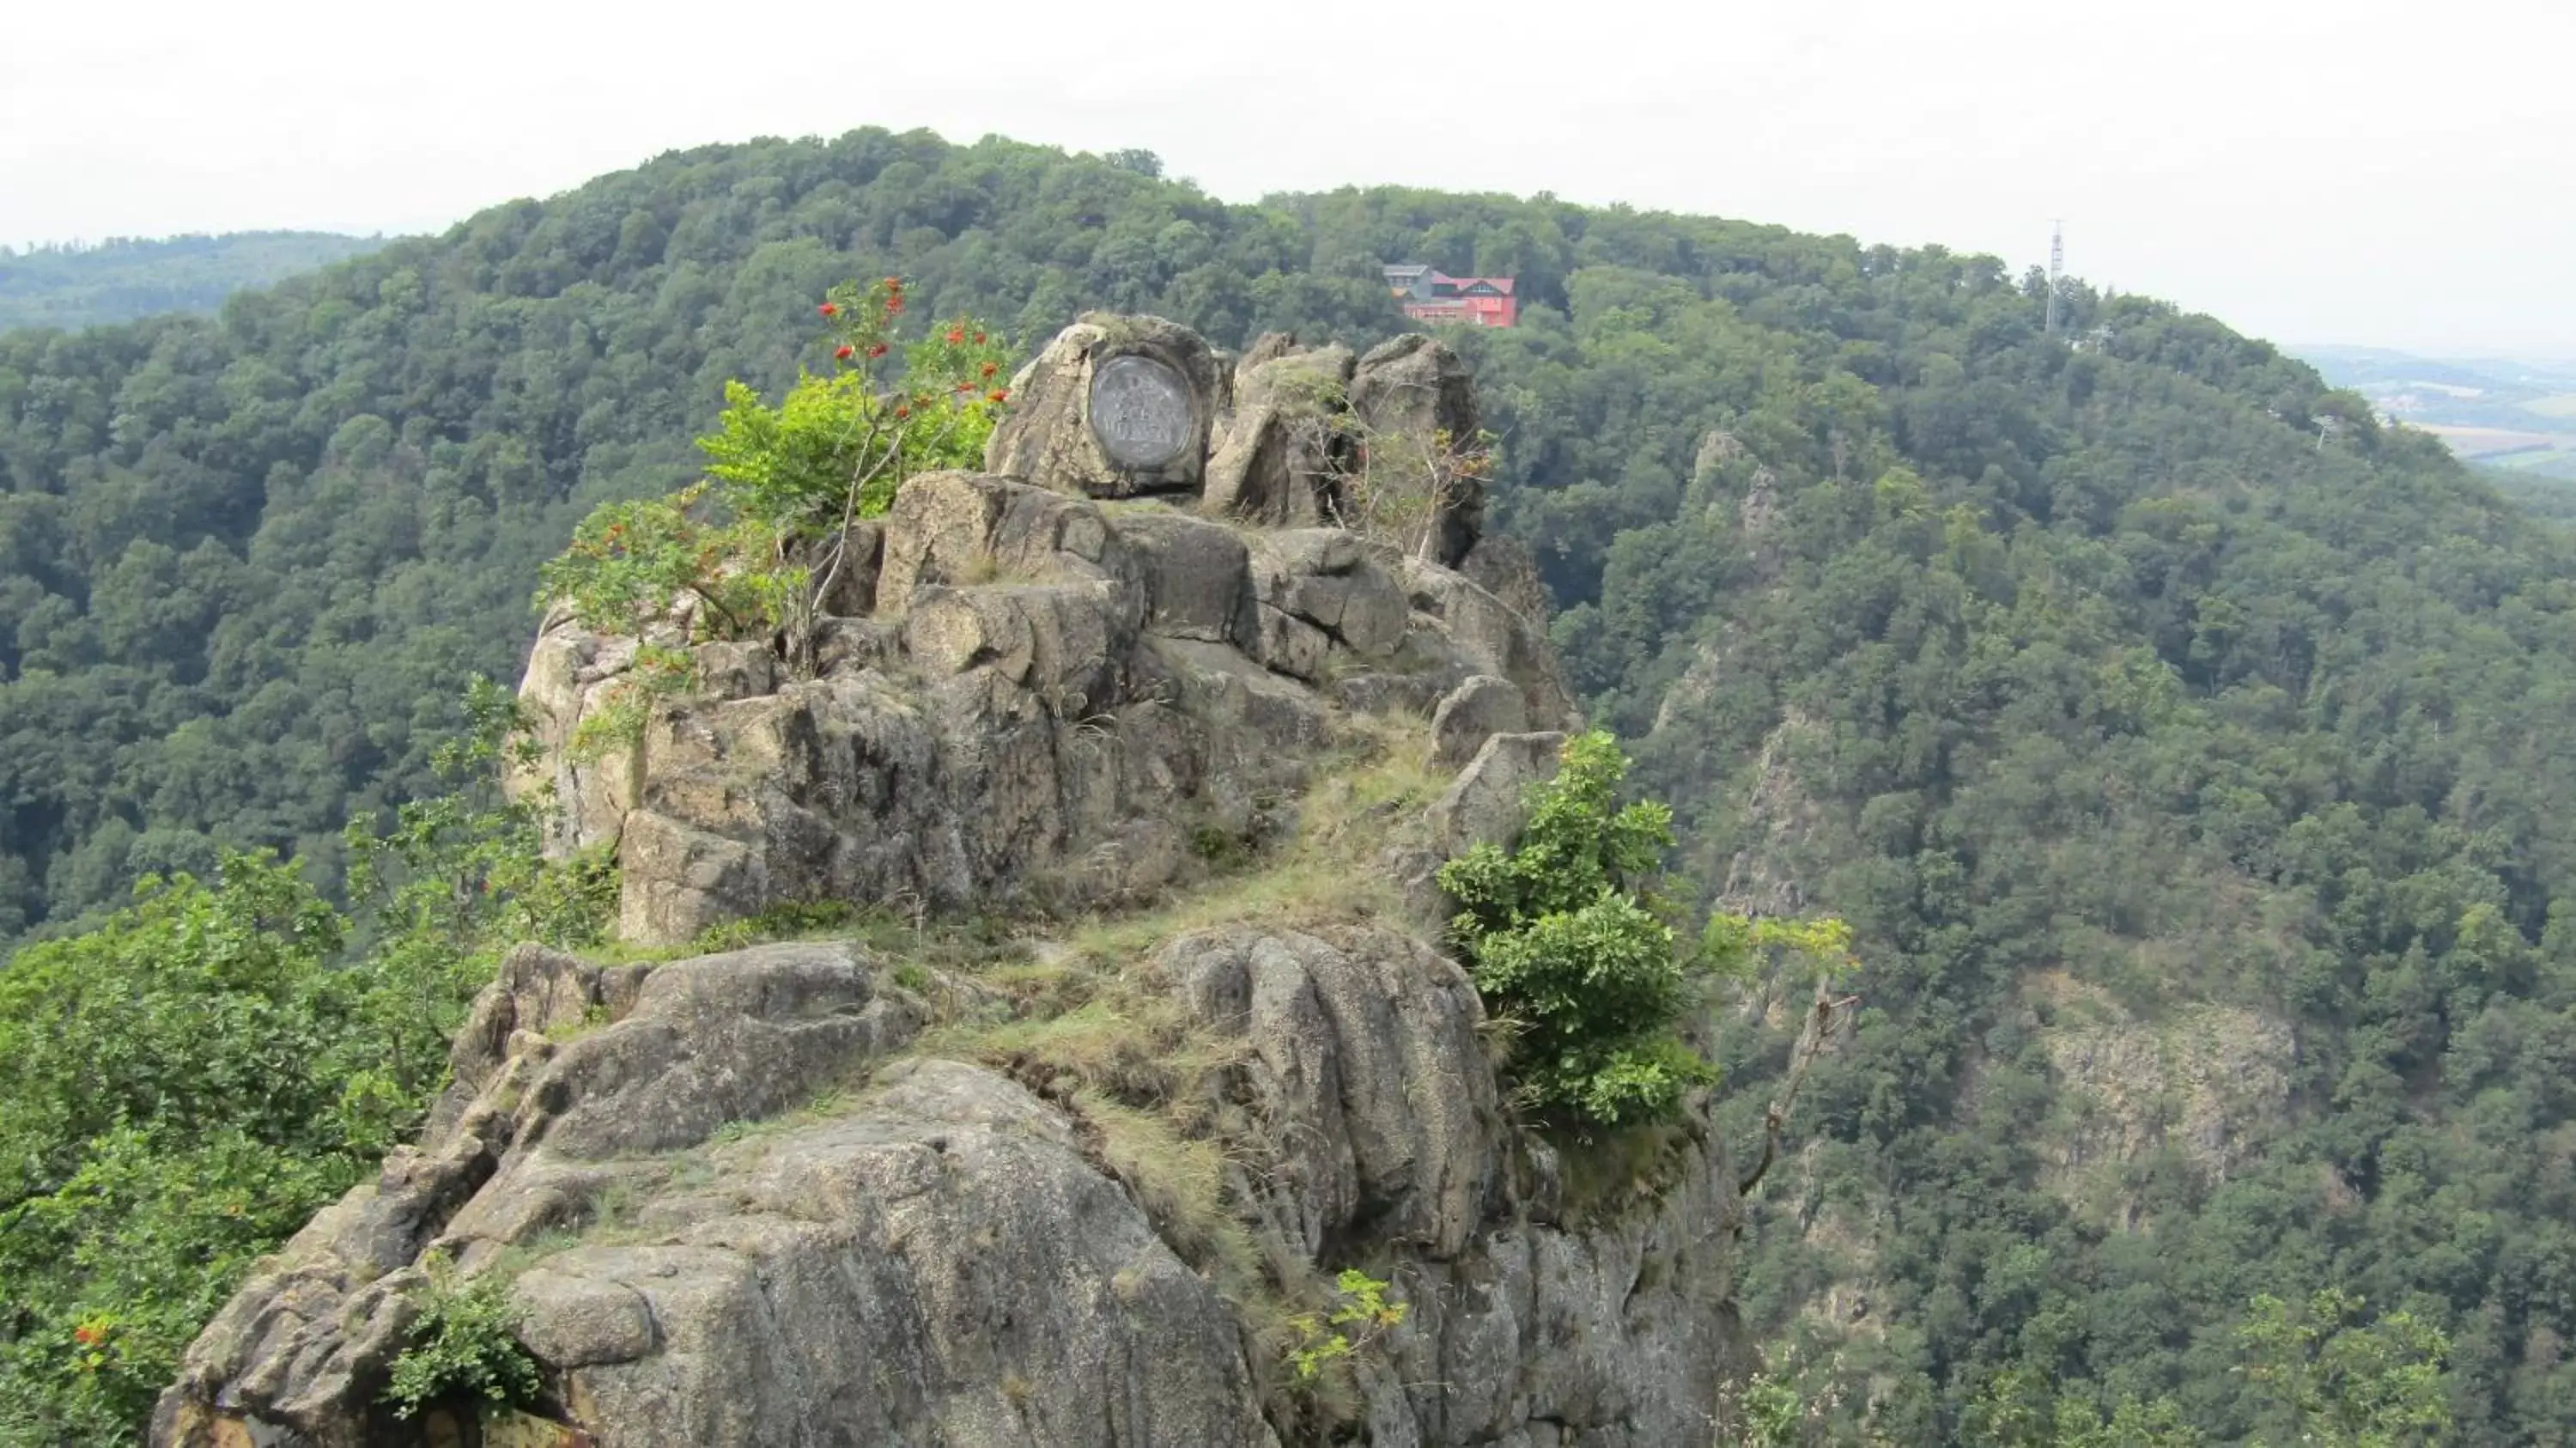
(779, 922)
(1220, 848)
(464, 1346)
(1359, 1316)
(1773, 1412)
(760, 544)
(630, 562)
(593, 1016)
(1567, 941)
(840, 443)
(658, 673)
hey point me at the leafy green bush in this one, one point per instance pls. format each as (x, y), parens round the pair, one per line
(1359, 1316)
(629, 563)
(759, 544)
(1565, 941)
(784, 921)
(840, 443)
(1568, 941)
(463, 1347)
(183, 1086)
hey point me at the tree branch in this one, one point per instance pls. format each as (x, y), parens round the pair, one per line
(1827, 1016)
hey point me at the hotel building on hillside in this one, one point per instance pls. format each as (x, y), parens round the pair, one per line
(1426, 295)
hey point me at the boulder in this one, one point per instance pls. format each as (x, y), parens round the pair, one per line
(1287, 440)
(1481, 634)
(1196, 575)
(1472, 713)
(1484, 805)
(963, 528)
(1327, 578)
(1416, 387)
(735, 670)
(573, 1321)
(718, 1038)
(876, 1278)
(1264, 348)
(1361, 1045)
(1114, 406)
(306, 1345)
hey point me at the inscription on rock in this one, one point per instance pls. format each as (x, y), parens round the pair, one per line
(1140, 412)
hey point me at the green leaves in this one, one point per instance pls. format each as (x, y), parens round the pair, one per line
(630, 564)
(752, 551)
(1568, 942)
(169, 1093)
(2338, 1382)
(1561, 943)
(462, 1347)
(115, 1270)
(788, 467)
(182, 1087)
(1360, 1314)
(1608, 963)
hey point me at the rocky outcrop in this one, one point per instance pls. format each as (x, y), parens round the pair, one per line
(1061, 1193)
(1473, 713)
(1049, 697)
(932, 1251)
(1286, 447)
(540, 1121)
(1317, 435)
(2210, 1084)
(1413, 387)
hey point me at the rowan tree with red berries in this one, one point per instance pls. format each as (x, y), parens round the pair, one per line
(754, 549)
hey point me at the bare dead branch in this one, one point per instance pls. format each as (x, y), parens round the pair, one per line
(1826, 1018)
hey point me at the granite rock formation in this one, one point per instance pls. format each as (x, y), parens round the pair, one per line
(839, 1193)
(1296, 445)
(1047, 695)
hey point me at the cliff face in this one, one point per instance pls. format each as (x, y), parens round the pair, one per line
(984, 1177)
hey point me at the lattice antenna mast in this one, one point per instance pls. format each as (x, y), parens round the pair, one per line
(2056, 271)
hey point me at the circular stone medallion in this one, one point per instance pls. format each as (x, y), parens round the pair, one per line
(1140, 411)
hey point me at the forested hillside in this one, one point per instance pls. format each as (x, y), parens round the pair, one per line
(120, 280)
(2196, 789)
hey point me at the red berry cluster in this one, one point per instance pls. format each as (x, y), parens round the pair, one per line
(958, 360)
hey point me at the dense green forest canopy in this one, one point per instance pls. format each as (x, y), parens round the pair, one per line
(124, 278)
(2536, 491)
(2182, 745)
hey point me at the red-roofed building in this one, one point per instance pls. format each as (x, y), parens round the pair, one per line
(1426, 295)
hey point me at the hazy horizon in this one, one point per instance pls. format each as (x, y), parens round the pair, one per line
(2342, 173)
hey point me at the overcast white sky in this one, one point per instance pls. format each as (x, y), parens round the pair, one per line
(2310, 170)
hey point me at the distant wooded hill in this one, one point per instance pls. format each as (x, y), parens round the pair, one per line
(124, 278)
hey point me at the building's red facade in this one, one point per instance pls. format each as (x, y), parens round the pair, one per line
(1429, 296)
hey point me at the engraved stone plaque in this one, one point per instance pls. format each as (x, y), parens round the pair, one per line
(1140, 412)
